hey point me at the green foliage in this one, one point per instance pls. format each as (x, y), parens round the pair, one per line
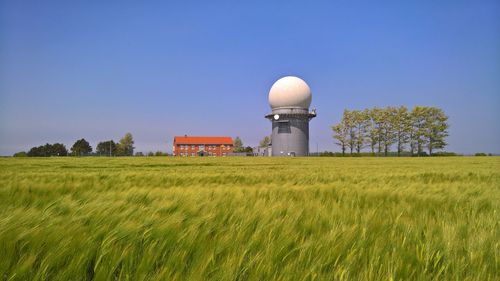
(265, 142)
(328, 154)
(259, 218)
(361, 123)
(47, 150)
(340, 134)
(107, 148)
(436, 128)
(20, 154)
(349, 123)
(374, 129)
(126, 145)
(419, 141)
(388, 137)
(381, 128)
(161, 153)
(480, 154)
(81, 147)
(402, 128)
(238, 145)
(445, 153)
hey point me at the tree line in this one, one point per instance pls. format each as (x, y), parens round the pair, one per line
(125, 147)
(418, 131)
(238, 146)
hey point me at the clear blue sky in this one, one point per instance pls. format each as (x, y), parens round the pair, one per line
(99, 69)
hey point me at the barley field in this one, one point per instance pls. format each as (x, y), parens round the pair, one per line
(162, 218)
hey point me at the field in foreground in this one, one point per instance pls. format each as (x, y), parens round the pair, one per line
(250, 218)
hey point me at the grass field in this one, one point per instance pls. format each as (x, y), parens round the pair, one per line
(250, 218)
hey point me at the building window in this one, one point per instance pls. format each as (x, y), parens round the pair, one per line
(201, 147)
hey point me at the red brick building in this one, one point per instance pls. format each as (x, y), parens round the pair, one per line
(202, 146)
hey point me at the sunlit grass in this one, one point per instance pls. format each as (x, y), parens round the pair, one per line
(250, 218)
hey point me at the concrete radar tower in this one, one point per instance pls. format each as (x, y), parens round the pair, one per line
(290, 98)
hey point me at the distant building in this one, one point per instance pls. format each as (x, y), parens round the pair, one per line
(263, 151)
(202, 146)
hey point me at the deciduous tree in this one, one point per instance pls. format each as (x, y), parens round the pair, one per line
(381, 128)
(56, 149)
(238, 145)
(402, 128)
(81, 147)
(419, 141)
(361, 120)
(349, 124)
(373, 129)
(435, 129)
(340, 133)
(126, 145)
(388, 134)
(20, 154)
(265, 142)
(106, 148)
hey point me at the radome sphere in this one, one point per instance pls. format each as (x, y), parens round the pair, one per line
(290, 91)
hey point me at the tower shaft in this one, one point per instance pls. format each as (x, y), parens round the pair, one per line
(290, 134)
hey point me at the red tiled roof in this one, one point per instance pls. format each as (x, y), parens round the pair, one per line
(202, 140)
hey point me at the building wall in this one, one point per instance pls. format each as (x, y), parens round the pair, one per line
(209, 149)
(290, 136)
(262, 151)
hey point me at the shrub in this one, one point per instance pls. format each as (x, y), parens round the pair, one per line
(444, 153)
(20, 154)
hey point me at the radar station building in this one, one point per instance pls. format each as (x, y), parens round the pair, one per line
(202, 146)
(290, 98)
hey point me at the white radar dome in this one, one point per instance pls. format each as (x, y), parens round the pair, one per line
(290, 91)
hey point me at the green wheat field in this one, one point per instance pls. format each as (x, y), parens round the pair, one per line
(162, 218)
